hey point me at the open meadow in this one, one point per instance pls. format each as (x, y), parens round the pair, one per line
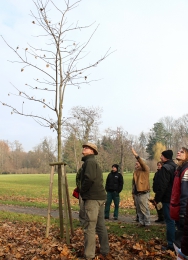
(33, 190)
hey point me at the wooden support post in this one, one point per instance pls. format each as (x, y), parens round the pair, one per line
(69, 206)
(50, 201)
(62, 200)
(65, 205)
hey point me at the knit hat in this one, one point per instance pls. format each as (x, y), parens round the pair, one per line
(92, 146)
(116, 166)
(168, 154)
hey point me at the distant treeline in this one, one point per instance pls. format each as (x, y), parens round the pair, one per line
(114, 146)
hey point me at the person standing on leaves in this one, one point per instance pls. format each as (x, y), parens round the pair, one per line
(156, 180)
(141, 190)
(163, 194)
(94, 196)
(113, 187)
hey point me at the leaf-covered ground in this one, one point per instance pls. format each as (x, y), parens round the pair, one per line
(27, 241)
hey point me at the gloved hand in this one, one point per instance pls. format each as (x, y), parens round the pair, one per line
(159, 205)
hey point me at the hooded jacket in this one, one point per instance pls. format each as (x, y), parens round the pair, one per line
(91, 180)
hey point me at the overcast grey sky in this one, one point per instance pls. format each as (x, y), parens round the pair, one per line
(145, 79)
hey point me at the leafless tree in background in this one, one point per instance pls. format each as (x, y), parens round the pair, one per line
(58, 65)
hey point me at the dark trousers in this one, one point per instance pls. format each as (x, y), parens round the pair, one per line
(112, 196)
(170, 225)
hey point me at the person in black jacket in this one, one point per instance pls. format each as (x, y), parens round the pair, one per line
(156, 180)
(114, 185)
(163, 194)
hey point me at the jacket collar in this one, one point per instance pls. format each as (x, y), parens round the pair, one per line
(84, 158)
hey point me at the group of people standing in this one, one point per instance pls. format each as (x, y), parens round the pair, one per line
(170, 186)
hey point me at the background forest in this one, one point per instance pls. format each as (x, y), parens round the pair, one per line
(114, 144)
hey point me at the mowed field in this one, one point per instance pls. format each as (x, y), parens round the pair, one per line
(33, 190)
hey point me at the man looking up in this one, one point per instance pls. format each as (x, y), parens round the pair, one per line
(94, 196)
(141, 189)
(163, 194)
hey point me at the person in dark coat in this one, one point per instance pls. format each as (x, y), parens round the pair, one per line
(93, 194)
(163, 194)
(113, 187)
(156, 180)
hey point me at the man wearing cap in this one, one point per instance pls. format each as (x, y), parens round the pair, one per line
(93, 194)
(114, 185)
(163, 194)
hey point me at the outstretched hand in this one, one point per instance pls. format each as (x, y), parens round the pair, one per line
(134, 152)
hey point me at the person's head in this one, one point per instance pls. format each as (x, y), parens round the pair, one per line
(182, 155)
(159, 165)
(115, 167)
(137, 166)
(89, 148)
(166, 155)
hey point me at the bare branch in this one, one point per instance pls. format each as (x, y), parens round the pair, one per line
(24, 61)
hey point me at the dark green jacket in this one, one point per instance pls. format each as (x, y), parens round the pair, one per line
(91, 180)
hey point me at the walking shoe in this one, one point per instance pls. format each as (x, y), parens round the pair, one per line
(106, 217)
(115, 218)
(86, 258)
(136, 220)
(103, 256)
(140, 225)
(165, 248)
(159, 220)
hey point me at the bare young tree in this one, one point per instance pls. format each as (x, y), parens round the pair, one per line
(81, 128)
(86, 120)
(58, 64)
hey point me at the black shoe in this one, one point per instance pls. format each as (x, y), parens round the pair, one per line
(106, 217)
(115, 218)
(159, 220)
(165, 248)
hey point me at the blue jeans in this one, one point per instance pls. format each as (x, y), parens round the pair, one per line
(170, 225)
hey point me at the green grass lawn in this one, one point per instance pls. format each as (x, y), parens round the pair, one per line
(33, 190)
